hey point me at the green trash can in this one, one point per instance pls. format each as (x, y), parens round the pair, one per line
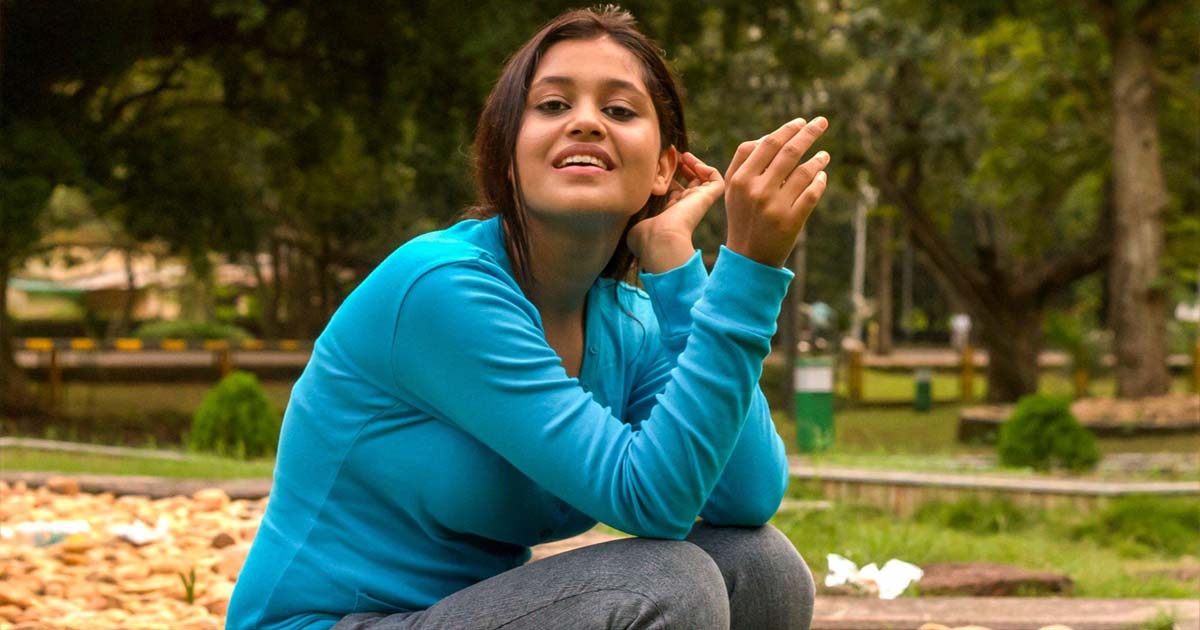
(813, 377)
(924, 395)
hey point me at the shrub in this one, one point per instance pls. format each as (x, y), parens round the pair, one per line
(1141, 524)
(236, 419)
(1042, 433)
(185, 329)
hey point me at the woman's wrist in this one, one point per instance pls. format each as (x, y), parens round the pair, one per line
(663, 256)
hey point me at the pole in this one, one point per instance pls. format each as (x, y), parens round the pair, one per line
(967, 382)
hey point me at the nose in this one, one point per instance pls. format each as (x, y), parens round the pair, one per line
(586, 122)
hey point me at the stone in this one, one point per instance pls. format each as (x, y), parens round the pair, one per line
(10, 613)
(231, 560)
(63, 485)
(210, 500)
(984, 579)
(15, 596)
(222, 540)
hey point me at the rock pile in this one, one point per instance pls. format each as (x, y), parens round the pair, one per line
(127, 562)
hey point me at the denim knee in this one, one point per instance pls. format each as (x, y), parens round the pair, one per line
(684, 583)
(768, 582)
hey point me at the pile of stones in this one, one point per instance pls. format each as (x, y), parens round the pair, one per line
(75, 560)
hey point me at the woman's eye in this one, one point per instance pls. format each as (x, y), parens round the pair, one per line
(552, 106)
(620, 113)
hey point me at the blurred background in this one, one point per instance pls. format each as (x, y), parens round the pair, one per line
(188, 190)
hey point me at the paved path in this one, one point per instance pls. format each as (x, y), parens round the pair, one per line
(1000, 613)
(153, 487)
(1031, 485)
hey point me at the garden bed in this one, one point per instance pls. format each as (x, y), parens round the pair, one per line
(1173, 413)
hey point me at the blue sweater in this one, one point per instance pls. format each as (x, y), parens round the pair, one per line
(434, 435)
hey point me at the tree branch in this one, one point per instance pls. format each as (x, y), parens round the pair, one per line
(164, 83)
(1056, 275)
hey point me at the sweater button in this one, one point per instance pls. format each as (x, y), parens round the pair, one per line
(592, 350)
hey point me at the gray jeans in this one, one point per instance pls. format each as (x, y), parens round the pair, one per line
(720, 577)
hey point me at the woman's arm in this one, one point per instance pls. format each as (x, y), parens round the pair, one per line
(755, 478)
(469, 350)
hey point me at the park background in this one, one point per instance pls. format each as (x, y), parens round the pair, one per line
(188, 188)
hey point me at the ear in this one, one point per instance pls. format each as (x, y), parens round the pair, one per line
(665, 173)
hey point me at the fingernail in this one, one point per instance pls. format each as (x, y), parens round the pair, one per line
(821, 155)
(820, 122)
(821, 177)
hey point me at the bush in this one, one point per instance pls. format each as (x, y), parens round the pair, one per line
(1138, 525)
(236, 419)
(1042, 433)
(185, 329)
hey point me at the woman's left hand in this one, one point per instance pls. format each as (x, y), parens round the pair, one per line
(664, 242)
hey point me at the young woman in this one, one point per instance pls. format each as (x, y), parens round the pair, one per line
(496, 384)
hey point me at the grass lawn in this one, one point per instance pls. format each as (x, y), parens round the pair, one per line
(195, 466)
(1099, 570)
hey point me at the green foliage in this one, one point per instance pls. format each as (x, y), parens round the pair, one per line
(1042, 433)
(236, 419)
(1138, 526)
(189, 586)
(1073, 334)
(972, 514)
(192, 330)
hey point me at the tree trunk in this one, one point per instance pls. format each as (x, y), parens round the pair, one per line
(1013, 339)
(793, 321)
(1139, 313)
(884, 299)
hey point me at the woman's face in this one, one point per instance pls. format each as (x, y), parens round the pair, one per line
(589, 143)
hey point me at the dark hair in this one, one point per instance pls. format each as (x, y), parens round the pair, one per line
(500, 122)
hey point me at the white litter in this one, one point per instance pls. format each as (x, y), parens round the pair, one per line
(138, 534)
(889, 582)
(44, 532)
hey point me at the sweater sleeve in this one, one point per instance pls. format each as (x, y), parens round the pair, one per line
(469, 349)
(755, 478)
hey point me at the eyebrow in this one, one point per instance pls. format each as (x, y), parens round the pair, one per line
(610, 83)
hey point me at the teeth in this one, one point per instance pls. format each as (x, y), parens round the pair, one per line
(583, 159)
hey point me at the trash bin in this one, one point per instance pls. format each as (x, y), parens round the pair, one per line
(813, 377)
(924, 395)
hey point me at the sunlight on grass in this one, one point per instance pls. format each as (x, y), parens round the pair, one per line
(195, 466)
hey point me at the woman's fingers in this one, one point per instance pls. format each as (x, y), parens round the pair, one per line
(799, 179)
(703, 172)
(812, 194)
(766, 149)
(790, 154)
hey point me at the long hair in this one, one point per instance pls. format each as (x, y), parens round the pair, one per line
(500, 122)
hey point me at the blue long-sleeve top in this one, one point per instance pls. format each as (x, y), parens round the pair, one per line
(435, 436)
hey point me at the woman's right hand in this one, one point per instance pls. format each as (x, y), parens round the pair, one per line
(769, 193)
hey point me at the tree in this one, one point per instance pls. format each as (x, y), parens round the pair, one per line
(980, 147)
(1138, 292)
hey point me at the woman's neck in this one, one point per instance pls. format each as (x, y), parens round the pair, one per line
(566, 257)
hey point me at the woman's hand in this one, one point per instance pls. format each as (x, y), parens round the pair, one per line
(664, 242)
(770, 193)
